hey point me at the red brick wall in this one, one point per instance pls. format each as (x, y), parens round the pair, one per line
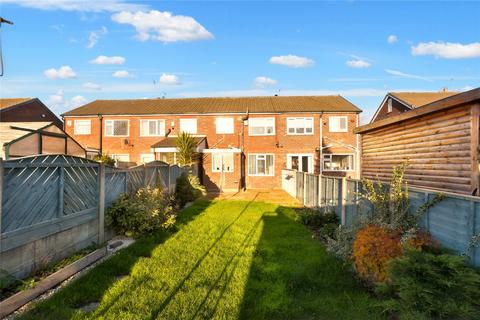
(280, 144)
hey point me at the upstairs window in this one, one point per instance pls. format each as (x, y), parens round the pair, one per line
(389, 105)
(188, 126)
(116, 128)
(152, 128)
(224, 125)
(299, 125)
(82, 127)
(337, 124)
(261, 126)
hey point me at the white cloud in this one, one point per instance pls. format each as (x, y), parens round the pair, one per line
(163, 26)
(58, 102)
(92, 86)
(358, 64)
(169, 79)
(78, 5)
(292, 61)
(64, 72)
(447, 50)
(264, 82)
(108, 60)
(406, 75)
(392, 38)
(94, 36)
(121, 74)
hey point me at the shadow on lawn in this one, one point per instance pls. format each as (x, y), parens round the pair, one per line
(93, 285)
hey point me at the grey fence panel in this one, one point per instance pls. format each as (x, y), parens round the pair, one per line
(475, 231)
(135, 179)
(80, 189)
(351, 201)
(115, 185)
(163, 173)
(311, 191)
(300, 186)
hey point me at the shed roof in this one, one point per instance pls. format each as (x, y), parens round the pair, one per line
(267, 104)
(10, 102)
(9, 131)
(438, 105)
(418, 99)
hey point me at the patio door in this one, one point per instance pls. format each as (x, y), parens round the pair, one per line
(300, 162)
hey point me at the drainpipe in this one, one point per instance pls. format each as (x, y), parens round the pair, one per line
(358, 160)
(100, 117)
(321, 145)
(243, 183)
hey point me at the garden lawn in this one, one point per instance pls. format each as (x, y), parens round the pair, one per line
(228, 260)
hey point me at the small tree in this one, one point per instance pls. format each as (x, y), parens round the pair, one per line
(186, 145)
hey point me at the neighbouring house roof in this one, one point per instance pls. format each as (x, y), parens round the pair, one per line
(9, 131)
(418, 99)
(170, 142)
(451, 101)
(270, 104)
(10, 102)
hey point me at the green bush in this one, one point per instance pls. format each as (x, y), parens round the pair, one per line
(432, 285)
(188, 189)
(316, 219)
(148, 210)
(105, 158)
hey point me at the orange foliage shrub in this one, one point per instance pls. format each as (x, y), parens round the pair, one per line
(373, 248)
(421, 240)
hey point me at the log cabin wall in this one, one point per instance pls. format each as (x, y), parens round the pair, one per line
(440, 147)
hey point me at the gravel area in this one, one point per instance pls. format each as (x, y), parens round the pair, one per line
(111, 250)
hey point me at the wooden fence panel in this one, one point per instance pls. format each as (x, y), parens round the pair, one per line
(115, 185)
(300, 186)
(136, 179)
(80, 189)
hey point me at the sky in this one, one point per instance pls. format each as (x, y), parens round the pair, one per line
(70, 52)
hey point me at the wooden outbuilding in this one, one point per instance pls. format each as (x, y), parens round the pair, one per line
(440, 141)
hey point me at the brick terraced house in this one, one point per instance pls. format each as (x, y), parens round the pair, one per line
(244, 142)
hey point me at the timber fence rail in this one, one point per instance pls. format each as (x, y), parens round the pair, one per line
(54, 204)
(453, 221)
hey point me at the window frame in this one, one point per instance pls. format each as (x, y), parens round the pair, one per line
(113, 131)
(82, 120)
(225, 118)
(142, 134)
(339, 129)
(189, 119)
(114, 155)
(304, 127)
(338, 154)
(256, 166)
(260, 118)
(146, 154)
(311, 166)
(222, 154)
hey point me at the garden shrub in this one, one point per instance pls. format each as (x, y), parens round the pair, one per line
(105, 158)
(188, 189)
(432, 285)
(148, 210)
(325, 223)
(373, 248)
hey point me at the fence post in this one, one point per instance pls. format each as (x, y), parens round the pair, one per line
(320, 190)
(343, 200)
(101, 203)
(1, 200)
(61, 183)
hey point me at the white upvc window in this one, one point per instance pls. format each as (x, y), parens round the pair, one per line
(117, 128)
(338, 162)
(152, 128)
(188, 126)
(222, 162)
(300, 162)
(82, 127)
(120, 158)
(147, 157)
(224, 125)
(261, 126)
(338, 124)
(261, 165)
(300, 126)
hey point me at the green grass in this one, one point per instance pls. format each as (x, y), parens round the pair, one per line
(228, 260)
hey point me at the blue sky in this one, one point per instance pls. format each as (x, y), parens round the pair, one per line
(69, 52)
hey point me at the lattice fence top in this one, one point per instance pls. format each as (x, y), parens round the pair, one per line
(50, 159)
